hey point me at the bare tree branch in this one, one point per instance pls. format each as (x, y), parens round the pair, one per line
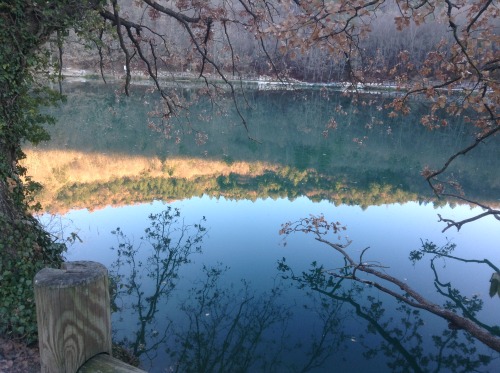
(319, 227)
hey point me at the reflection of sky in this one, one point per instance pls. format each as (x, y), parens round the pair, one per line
(244, 236)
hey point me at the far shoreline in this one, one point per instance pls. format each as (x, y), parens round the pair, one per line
(262, 82)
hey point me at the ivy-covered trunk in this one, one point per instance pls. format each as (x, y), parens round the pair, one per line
(25, 247)
(7, 208)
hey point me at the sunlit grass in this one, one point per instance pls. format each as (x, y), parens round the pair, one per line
(73, 179)
(56, 168)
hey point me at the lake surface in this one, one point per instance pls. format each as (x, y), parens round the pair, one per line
(230, 297)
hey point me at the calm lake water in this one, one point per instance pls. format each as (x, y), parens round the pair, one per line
(217, 299)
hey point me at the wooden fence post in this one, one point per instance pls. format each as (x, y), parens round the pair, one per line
(73, 315)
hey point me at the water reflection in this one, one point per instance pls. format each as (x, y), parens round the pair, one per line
(128, 163)
(192, 314)
(305, 322)
(401, 328)
(228, 329)
(170, 244)
(216, 326)
(468, 306)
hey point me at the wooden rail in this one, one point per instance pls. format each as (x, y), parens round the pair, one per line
(74, 320)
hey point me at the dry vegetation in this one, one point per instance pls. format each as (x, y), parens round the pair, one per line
(16, 357)
(56, 168)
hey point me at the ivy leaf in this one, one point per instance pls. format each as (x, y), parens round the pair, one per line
(495, 284)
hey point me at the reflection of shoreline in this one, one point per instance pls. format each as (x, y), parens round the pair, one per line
(76, 166)
(59, 171)
(94, 181)
(264, 83)
(358, 155)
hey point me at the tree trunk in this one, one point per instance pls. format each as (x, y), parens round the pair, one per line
(11, 210)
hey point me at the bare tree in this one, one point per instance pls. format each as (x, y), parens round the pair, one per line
(373, 274)
(457, 73)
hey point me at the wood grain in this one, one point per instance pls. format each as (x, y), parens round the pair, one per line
(73, 315)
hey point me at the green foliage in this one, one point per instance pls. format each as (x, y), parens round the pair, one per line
(429, 247)
(495, 285)
(287, 183)
(25, 248)
(33, 251)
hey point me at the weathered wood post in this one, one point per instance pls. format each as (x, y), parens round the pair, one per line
(73, 315)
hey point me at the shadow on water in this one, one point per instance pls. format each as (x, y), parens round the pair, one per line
(308, 322)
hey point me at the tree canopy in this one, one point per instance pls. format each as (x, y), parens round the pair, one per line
(443, 51)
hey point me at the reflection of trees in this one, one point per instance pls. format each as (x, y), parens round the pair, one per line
(468, 306)
(365, 178)
(171, 243)
(222, 326)
(329, 336)
(239, 330)
(403, 343)
(400, 330)
(283, 183)
(226, 328)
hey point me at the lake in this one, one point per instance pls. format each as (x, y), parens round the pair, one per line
(186, 215)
